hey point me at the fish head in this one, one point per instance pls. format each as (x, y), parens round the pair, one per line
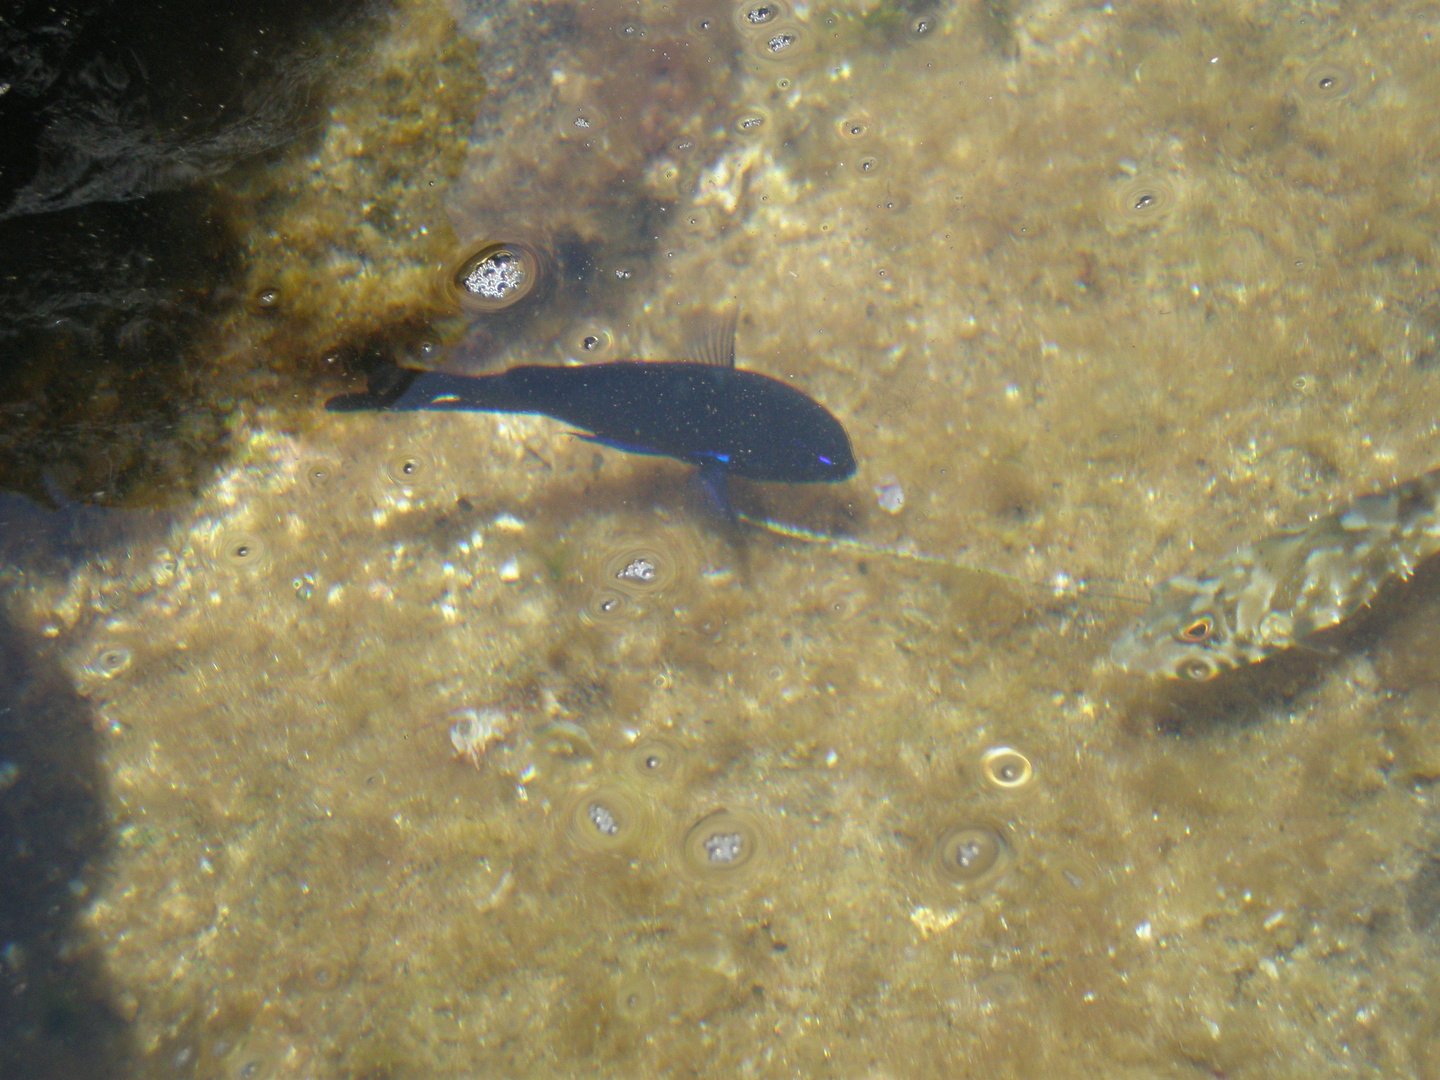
(821, 452)
(793, 457)
(832, 462)
(1187, 633)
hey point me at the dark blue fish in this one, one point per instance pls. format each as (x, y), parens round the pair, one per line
(722, 419)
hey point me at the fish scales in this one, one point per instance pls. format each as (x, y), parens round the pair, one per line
(1277, 592)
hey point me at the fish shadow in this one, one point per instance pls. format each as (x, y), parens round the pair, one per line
(61, 1018)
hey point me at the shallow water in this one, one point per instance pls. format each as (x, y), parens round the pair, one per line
(404, 778)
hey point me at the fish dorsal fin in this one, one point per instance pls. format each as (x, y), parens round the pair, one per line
(713, 341)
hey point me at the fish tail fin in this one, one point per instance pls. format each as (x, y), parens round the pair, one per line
(714, 481)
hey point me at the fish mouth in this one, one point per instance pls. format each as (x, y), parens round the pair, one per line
(1129, 650)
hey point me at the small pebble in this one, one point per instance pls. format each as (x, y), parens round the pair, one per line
(890, 495)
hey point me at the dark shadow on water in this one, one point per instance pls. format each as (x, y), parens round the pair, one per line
(60, 1018)
(124, 125)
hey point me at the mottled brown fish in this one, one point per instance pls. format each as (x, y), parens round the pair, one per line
(1276, 593)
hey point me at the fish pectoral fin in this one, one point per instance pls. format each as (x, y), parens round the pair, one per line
(615, 444)
(715, 482)
(713, 340)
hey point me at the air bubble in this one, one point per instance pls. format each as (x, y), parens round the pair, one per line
(410, 468)
(1005, 768)
(654, 761)
(852, 128)
(109, 661)
(244, 551)
(319, 473)
(591, 343)
(267, 299)
(922, 26)
(869, 166)
(1326, 82)
(1141, 202)
(635, 998)
(968, 855)
(606, 607)
(697, 221)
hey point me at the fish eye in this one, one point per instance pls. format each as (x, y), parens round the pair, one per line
(1201, 630)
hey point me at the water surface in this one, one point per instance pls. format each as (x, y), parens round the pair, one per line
(407, 778)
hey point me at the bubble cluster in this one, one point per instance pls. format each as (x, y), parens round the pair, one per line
(758, 16)
(608, 820)
(968, 855)
(768, 32)
(624, 577)
(640, 569)
(1005, 768)
(724, 847)
(497, 275)
(782, 43)
(583, 121)
(750, 122)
